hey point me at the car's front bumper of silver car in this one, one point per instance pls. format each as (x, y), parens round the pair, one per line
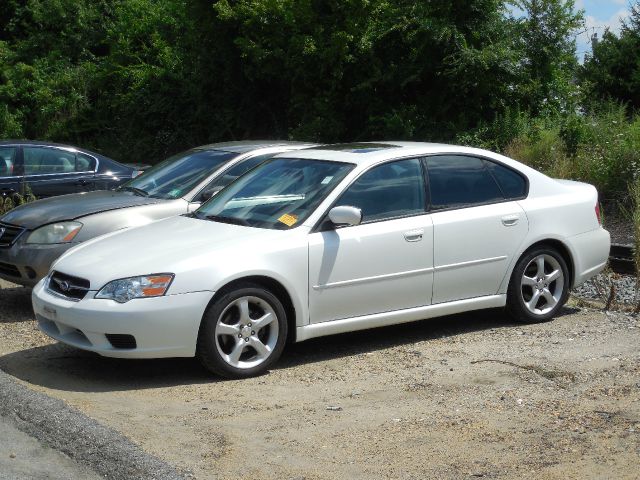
(24, 263)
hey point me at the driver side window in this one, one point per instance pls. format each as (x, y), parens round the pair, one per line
(391, 190)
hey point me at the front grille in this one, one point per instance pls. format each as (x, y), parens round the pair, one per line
(9, 234)
(122, 342)
(9, 270)
(73, 288)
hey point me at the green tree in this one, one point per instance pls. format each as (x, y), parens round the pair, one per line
(547, 46)
(612, 69)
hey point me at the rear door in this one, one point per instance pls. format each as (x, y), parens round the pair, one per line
(478, 225)
(51, 171)
(9, 171)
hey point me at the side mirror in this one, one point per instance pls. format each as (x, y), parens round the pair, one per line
(345, 215)
(210, 192)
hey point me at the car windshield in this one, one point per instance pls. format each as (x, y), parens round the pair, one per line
(279, 194)
(178, 175)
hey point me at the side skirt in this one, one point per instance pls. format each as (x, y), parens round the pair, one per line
(398, 316)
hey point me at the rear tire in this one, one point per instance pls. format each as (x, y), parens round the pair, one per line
(539, 285)
(243, 333)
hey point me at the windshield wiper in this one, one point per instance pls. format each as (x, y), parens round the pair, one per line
(232, 221)
(137, 191)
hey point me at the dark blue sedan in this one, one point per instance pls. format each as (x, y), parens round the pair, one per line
(50, 169)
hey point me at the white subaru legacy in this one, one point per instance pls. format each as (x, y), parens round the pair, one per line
(323, 241)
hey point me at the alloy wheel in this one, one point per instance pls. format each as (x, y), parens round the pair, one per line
(542, 284)
(246, 332)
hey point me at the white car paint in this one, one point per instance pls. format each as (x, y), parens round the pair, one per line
(347, 279)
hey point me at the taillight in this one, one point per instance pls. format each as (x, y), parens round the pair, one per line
(598, 216)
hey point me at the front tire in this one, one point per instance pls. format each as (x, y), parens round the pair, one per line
(539, 286)
(243, 333)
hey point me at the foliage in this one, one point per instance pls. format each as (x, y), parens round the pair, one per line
(602, 147)
(548, 55)
(612, 69)
(8, 202)
(138, 79)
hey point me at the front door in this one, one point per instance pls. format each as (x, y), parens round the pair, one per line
(383, 264)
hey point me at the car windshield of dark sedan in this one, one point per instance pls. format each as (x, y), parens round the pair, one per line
(279, 194)
(178, 175)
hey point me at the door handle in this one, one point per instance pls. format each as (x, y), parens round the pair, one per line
(510, 220)
(413, 235)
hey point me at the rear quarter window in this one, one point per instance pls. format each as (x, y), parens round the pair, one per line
(513, 185)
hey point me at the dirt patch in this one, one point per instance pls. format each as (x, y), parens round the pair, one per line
(557, 400)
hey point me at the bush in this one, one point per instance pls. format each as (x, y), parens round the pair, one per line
(8, 202)
(601, 148)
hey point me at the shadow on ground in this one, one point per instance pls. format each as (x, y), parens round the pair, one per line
(61, 367)
(15, 305)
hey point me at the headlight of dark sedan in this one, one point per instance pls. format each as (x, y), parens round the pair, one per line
(63, 232)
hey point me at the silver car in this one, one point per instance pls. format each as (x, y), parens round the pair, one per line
(34, 235)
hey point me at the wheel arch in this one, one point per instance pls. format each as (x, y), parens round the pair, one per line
(562, 248)
(275, 287)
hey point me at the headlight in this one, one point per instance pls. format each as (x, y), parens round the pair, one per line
(63, 232)
(146, 286)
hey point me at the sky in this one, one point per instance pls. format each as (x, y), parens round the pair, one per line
(600, 14)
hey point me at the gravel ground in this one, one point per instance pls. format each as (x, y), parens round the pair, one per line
(599, 288)
(468, 396)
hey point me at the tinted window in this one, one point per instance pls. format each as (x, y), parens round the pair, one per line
(41, 160)
(458, 180)
(235, 171)
(85, 163)
(388, 191)
(512, 183)
(178, 175)
(7, 157)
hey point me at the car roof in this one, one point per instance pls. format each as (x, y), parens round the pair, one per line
(244, 146)
(365, 153)
(41, 143)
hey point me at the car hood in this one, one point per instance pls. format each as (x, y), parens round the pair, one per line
(71, 207)
(173, 245)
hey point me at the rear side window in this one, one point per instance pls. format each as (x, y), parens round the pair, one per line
(456, 180)
(388, 191)
(43, 160)
(7, 158)
(511, 183)
(85, 163)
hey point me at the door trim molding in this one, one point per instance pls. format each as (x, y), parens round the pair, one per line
(375, 278)
(470, 263)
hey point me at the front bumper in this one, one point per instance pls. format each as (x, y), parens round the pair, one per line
(26, 264)
(162, 326)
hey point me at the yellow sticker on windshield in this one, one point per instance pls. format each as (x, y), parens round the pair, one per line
(288, 219)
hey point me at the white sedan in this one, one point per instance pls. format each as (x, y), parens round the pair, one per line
(329, 240)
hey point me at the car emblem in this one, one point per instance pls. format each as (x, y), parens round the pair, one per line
(63, 285)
